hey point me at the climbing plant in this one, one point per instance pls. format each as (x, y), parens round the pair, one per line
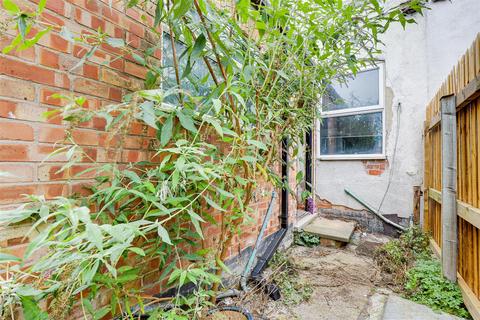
(235, 80)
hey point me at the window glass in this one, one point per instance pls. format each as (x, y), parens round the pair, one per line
(350, 135)
(198, 80)
(361, 91)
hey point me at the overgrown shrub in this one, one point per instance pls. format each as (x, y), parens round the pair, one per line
(425, 284)
(407, 263)
(306, 239)
(398, 255)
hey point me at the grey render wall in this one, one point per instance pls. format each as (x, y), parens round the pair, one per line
(416, 62)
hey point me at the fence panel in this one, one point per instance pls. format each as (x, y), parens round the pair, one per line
(464, 83)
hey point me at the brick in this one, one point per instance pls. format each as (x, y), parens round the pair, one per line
(52, 173)
(91, 87)
(115, 94)
(85, 137)
(56, 42)
(15, 194)
(17, 172)
(21, 111)
(49, 58)
(7, 109)
(17, 89)
(115, 78)
(97, 23)
(135, 70)
(30, 72)
(12, 130)
(51, 134)
(133, 40)
(52, 19)
(51, 191)
(110, 14)
(14, 152)
(46, 97)
(90, 71)
(375, 172)
(27, 54)
(43, 152)
(57, 6)
(81, 189)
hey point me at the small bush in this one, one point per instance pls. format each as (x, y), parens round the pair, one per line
(306, 239)
(425, 284)
(398, 255)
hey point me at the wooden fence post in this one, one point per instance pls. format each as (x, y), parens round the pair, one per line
(449, 187)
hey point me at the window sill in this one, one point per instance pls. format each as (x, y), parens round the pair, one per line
(353, 157)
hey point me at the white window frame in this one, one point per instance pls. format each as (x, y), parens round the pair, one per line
(355, 111)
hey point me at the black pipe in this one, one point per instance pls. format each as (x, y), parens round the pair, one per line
(308, 169)
(262, 261)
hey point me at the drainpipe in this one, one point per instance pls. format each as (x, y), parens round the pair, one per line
(309, 203)
(262, 261)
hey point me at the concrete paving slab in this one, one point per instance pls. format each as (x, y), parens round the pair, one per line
(398, 308)
(338, 230)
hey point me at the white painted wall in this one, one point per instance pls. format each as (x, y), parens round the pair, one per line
(417, 60)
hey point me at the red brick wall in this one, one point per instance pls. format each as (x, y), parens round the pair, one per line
(29, 78)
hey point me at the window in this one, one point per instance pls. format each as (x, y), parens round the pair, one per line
(352, 124)
(197, 80)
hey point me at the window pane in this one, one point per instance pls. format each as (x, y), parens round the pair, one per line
(360, 91)
(356, 134)
(197, 82)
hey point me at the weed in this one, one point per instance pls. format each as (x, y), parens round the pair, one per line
(426, 285)
(294, 290)
(398, 255)
(306, 239)
(408, 263)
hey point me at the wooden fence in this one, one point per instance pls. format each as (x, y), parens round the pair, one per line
(464, 84)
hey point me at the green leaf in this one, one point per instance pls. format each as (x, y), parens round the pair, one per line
(196, 219)
(27, 291)
(148, 114)
(22, 26)
(158, 13)
(10, 6)
(198, 46)
(132, 176)
(213, 204)
(41, 6)
(181, 7)
(222, 265)
(99, 314)
(167, 131)
(139, 59)
(138, 251)
(31, 310)
(186, 121)
(95, 235)
(217, 105)
(5, 257)
(215, 123)
(258, 144)
(163, 233)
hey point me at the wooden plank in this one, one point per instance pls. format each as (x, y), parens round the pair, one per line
(434, 121)
(435, 195)
(468, 213)
(469, 93)
(471, 301)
